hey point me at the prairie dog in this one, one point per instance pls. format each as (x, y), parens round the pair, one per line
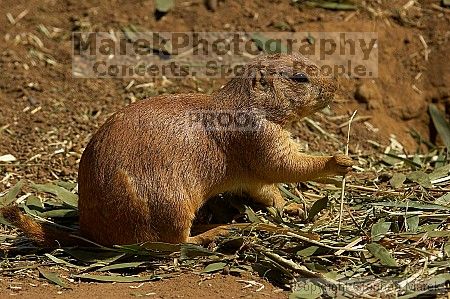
(153, 164)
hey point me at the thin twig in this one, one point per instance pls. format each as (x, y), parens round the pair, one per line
(363, 188)
(350, 245)
(308, 240)
(359, 118)
(355, 222)
(341, 210)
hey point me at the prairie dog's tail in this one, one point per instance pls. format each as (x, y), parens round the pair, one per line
(42, 234)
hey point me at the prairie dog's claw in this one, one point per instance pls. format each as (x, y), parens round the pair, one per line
(294, 209)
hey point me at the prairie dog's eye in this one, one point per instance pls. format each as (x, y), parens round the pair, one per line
(300, 77)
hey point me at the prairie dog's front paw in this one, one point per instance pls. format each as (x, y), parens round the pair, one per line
(340, 165)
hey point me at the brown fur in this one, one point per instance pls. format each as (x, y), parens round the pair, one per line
(146, 172)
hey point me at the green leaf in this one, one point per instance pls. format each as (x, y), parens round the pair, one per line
(153, 249)
(33, 202)
(444, 200)
(440, 172)
(439, 234)
(130, 32)
(338, 6)
(416, 159)
(268, 45)
(117, 278)
(447, 249)
(317, 207)
(66, 185)
(167, 248)
(282, 26)
(53, 277)
(391, 158)
(60, 213)
(332, 275)
(214, 267)
(397, 180)
(307, 291)
(10, 197)
(63, 262)
(429, 227)
(94, 256)
(236, 271)
(290, 194)
(307, 251)
(332, 5)
(136, 249)
(311, 40)
(120, 266)
(164, 5)
(4, 222)
(441, 158)
(251, 215)
(30, 212)
(382, 254)
(441, 125)
(412, 295)
(413, 223)
(420, 178)
(64, 195)
(438, 280)
(379, 229)
(189, 251)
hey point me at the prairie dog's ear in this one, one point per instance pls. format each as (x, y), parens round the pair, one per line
(259, 80)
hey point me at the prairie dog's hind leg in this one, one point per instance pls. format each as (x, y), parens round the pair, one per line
(172, 216)
(270, 196)
(267, 195)
(207, 237)
(210, 235)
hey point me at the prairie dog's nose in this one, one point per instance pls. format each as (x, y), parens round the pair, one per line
(330, 85)
(328, 88)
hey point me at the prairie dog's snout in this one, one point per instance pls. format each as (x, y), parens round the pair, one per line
(328, 90)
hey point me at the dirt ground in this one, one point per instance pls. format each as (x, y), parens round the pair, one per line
(184, 286)
(47, 116)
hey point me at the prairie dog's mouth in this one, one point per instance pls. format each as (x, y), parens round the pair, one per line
(322, 106)
(323, 101)
(325, 97)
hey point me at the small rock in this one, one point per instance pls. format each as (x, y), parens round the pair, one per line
(367, 92)
(416, 108)
(7, 158)
(65, 171)
(32, 100)
(211, 5)
(373, 105)
(388, 102)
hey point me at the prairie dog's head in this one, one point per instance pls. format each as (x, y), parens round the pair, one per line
(287, 87)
